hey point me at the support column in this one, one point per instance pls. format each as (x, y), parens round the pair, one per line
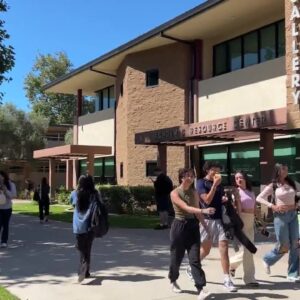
(78, 114)
(162, 158)
(52, 165)
(266, 149)
(69, 174)
(90, 164)
(74, 171)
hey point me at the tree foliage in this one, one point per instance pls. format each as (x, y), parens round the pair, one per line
(7, 55)
(58, 108)
(21, 133)
(69, 137)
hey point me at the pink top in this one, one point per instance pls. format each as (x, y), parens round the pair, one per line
(284, 195)
(247, 199)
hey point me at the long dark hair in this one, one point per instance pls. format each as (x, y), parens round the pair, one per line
(246, 178)
(288, 179)
(5, 179)
(85, 189)
(44, 181)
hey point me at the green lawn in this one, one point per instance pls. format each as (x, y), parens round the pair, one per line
(63, 213)
(5, 295)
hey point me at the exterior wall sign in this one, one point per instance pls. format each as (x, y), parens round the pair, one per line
(211, 129)
(294, 18)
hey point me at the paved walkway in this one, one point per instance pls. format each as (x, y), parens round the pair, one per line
(41, 263)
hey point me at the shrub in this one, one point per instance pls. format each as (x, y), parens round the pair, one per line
(62, 195)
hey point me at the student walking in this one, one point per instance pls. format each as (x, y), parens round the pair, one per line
(184, 234)
(7, 193)
(44, 200)
(283, 189)
(246, 203)
(86, 193)
(212, 195)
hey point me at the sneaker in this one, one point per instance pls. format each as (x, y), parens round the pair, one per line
(159, 227)
(203, 295)
(42, 221)
(3, 245)
(188, 273)
(46, 219)
(229, 286)
(87, 275)
(266, 268)
(293, 279)
(81, 277)
(232, 272)
(175, 287)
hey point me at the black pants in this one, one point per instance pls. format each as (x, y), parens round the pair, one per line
(84, 243)
(184, 236)
(43, 209)
(5, 215)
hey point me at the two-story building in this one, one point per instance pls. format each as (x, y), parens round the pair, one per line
(219, 82)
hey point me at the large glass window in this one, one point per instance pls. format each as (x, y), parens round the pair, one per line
(235, 54)
(106, 98)
(267, 43)
(281, 38)
(250, 49)
(254, 47)
(220, 59)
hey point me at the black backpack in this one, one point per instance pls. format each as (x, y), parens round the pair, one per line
(98, 217)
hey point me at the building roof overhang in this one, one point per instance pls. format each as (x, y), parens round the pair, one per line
(212, 19)
(71, 151)
(231, 129)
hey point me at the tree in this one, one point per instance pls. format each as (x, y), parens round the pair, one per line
(58, 108)
(69, 137)
(7, 54)
(21, 133)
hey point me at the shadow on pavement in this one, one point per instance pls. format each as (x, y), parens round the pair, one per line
(40, 253)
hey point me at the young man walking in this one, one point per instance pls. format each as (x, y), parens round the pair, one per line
(212, 194)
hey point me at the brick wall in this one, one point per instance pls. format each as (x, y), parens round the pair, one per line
(144, 108)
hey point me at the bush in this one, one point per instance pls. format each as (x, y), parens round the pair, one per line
(62, 195)
(125, 199)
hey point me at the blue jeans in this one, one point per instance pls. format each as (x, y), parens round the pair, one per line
(287, 234)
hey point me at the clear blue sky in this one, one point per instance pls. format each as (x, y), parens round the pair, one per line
(84, 29)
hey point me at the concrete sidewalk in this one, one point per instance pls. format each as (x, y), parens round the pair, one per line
(41, 264)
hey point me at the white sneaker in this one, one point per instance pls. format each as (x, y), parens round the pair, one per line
(3, 245)
(203, 295)
(188, 273)
(266, 268)
(229, 286)
(293, 279)
(175, 287)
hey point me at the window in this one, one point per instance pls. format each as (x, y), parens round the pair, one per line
(121, 89)
(152, 77)
(105, 98)
(150, 168)
(258, 46)
(235, 54)
(250, 49)
(267, 43)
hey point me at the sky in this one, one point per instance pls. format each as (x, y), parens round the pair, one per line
(83, 29)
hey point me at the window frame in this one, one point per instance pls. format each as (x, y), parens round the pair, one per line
(241, 37)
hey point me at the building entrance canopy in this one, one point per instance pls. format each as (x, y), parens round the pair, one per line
(71, 152)
(229, 129)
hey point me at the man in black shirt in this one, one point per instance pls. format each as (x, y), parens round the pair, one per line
(163, 186)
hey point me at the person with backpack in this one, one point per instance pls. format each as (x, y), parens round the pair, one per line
(86, 195)
(284, 191)
(7, 193)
